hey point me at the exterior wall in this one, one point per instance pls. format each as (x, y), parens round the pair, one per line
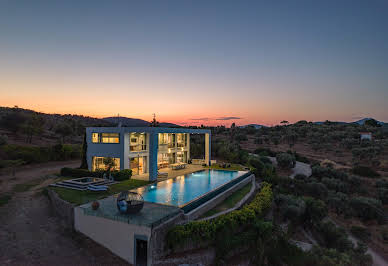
(121, 150)
(118, 237)
(62, 208)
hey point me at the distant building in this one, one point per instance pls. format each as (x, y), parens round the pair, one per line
(366, 135)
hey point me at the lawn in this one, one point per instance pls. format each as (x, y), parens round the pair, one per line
(80, 197)
(230, 202)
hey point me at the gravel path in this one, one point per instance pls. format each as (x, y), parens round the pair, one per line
(300, 168)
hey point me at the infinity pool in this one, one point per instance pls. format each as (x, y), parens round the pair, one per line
(184, 189)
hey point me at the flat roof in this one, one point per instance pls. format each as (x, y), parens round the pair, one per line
(148, 130)
(151, 215)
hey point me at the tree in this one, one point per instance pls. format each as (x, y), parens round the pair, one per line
(109, 163)
(284, 122)
(64, 130)
(33, 126)
(84, 162)
(285, 160)
(13, 121)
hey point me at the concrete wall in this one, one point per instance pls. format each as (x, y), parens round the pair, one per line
(62, 208)
(194, 214)
(116, 236)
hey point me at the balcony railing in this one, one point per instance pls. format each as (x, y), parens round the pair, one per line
(137, 147)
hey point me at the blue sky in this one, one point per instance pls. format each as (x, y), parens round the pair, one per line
(256, 61)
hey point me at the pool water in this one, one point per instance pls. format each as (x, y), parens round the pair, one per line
(183, 189)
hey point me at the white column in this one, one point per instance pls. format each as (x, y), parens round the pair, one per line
(207, 149)
(188, 146)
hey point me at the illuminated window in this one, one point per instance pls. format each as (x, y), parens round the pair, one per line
(110, 137)
(95, 137)
(99, 164)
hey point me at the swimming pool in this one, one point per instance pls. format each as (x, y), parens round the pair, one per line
(191, 189)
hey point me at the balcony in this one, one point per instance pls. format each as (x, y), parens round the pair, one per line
(137, 148)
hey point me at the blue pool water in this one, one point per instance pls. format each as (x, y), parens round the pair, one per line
(183, 189)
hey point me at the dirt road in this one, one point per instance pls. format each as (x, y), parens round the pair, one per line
(32, 235)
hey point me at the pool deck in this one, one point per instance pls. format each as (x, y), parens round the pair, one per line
(151, 215)
(190, 168)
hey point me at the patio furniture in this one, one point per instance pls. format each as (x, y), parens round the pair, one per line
(162, 174)
(177, 166)
(129, 202)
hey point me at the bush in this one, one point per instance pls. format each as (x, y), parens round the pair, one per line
(265, 160)
(285, 160)
(3, 139)
(265, 152)
(365, 171)
(122, 175)
(334, 237)
(360, 232)
(205, 231)
(383, 194)
(367, 208)
(382, 183)
(300, 177)
(316, 210)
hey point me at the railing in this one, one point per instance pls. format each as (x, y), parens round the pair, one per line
(137, 147)
(181, 145)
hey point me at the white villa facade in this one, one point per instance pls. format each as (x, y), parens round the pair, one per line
(144, 150)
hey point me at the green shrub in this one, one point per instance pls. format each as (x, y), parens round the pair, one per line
(367, 208)
(265, 160)
(265, 152)
(285, 160)
(3, 139)
(11, 163)
(360, 232)
(206, 231)
(316, 210)
(383, 183)
(300, 177)
(122, 175)
(365, 171)
(383, 194)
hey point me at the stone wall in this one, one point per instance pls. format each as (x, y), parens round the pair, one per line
(62, 208)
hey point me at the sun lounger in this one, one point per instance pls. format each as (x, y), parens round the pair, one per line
(97, 188)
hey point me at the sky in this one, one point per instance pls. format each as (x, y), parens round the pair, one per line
(197, 62)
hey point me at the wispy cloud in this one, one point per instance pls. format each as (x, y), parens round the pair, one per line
(200, 119)
(225, 118)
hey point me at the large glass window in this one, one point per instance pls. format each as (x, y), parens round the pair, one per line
(137, 142)
(110, 137)
(99, 164)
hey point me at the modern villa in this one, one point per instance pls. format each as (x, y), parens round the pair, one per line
(186, 194)
(144, 150)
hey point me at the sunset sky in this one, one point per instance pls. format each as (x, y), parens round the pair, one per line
(196, 62)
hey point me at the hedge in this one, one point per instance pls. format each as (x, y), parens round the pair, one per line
(204, 231)
(77, 173)
(365, 171)
(122, 175)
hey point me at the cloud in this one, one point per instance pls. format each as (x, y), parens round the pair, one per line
(200, 119)
(225, 118)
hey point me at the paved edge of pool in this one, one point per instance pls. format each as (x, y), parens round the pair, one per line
(211, 194)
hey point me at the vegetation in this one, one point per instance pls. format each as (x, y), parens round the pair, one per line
(78, 172)
(4, 199)
(81, 197)
(210, 231)
(285, 160)
(230, 202)
(365, 171)
(34, 154)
